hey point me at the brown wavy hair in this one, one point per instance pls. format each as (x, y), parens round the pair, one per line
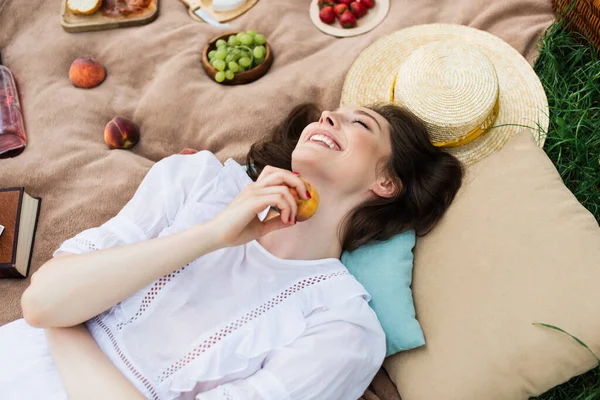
(428, 177)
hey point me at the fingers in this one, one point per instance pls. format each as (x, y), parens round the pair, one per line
(291, 211)
(287, 216)
(277, 176)
(275, 196)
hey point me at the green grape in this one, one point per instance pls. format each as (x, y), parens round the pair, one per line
(246, 39)
(221, 42)
(259, 52)
(233, 40)
(259, 39)
(229, 58)
(239, 35)
(237, 57)
(233, 66)
(258, 61)
(211, 54)
(242, 69)
(229, 75)
(251, 32)
(219, 65)
(220, 76)
(244, 62)
(220, 54)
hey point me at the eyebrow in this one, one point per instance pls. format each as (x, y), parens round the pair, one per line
(370, 116)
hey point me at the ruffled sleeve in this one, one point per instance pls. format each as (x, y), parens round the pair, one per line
(153, 207)
(335, 358)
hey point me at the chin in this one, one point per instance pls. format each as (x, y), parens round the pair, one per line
(313, 162)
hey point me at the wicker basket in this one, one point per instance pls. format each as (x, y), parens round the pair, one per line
(584, 17)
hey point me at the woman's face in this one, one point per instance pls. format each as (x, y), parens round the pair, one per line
(344, 149)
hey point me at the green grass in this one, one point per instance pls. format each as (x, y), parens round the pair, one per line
(570, 73)
(569, 69)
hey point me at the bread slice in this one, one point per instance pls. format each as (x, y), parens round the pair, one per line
(85, 7)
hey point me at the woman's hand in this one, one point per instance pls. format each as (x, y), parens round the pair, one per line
(238, 223)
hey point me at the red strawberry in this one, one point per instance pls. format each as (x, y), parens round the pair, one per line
(368, 3)
(324, 3)
(346, 2)
(339, 9)
(348, 20)
(358, 9)
(327, 15)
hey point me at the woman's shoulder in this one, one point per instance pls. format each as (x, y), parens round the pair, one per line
(345, 298)
(195, 171)
(355, 323)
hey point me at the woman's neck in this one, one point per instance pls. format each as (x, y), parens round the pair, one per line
(313, 239)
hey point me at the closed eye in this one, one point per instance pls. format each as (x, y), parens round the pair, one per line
(361, 122)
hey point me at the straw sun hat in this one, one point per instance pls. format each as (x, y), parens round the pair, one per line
(472, 90)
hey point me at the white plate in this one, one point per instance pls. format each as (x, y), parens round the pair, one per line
(373, 18)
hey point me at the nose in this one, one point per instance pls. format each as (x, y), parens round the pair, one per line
(327, 117)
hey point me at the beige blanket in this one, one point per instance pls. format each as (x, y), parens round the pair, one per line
(155, 78)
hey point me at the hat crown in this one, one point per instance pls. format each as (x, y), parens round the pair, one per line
(451, 86)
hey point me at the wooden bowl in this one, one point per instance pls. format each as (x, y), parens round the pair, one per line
(240, 78)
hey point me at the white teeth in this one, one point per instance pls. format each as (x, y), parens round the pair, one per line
(324, 139)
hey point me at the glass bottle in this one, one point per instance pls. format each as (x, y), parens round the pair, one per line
(12, 130)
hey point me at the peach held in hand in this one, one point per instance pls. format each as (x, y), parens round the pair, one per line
(306, 208)
(121, 133)
(86, 73)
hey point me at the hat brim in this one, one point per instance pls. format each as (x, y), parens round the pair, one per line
(523, 101)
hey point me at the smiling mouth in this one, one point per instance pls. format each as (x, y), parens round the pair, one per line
(322, 139)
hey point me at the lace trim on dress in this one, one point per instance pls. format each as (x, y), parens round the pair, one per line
(86, 243)
(151, 295)
(125, 360)
(227, 395)
(251, 315)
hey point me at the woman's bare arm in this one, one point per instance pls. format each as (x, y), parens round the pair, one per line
(85, 371)
(69, 290)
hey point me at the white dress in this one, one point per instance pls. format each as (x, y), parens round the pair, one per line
(237, 323)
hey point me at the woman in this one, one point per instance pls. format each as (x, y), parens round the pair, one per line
(187, 294)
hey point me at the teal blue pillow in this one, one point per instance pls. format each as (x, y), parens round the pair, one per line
(385, 270)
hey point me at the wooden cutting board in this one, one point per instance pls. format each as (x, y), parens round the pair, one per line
(97, 21)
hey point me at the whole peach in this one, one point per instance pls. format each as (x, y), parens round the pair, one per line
(306, 208)
(121, 133)
(86, 72)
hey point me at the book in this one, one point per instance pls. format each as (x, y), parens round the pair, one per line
(19, 213)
